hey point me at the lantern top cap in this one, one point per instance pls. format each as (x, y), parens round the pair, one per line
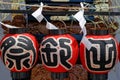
(17, 30)
(58, 31)
(98, 31)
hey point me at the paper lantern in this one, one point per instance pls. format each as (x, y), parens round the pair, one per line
(59, 52)
(102, 56)
(19, 51)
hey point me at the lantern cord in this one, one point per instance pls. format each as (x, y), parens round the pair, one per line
(58, 7)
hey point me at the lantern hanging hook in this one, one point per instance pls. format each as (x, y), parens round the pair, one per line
(60, 23)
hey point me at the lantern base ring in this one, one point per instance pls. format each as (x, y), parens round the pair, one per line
(59, 76)
(97, 76)
(21, 75)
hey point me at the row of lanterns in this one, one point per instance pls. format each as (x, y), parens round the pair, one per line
(59, 53)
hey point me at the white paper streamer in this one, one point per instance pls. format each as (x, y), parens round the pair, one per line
(84, 31)
(39, 16)
(38, 13)
(80, 17)
(8, 26)
(87, 43)
(50, 26)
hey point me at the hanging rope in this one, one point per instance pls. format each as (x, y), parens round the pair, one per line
(59, 7)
